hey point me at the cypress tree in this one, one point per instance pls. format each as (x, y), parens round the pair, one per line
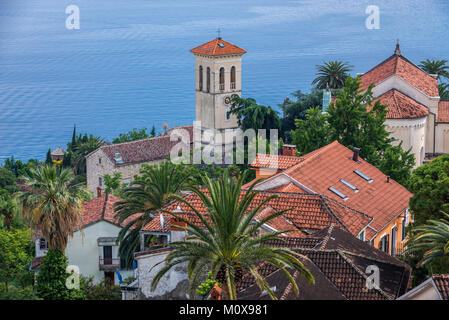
(48, 160)
(73, 138)
(153, 132)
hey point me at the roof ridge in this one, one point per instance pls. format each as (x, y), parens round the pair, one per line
(134, 141)
(332, 213)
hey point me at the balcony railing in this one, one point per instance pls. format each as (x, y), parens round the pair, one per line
(232, 85)
(108, 263)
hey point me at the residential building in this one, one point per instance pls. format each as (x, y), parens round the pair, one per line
(336, 172)
(127, 158)
(94, 246)
(415, 114)
(434, 288)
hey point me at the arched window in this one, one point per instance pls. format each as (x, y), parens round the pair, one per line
(233, 77)
(222, 79)
(208, 79)
(200, 78)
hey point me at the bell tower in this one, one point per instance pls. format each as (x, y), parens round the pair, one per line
(218, 69)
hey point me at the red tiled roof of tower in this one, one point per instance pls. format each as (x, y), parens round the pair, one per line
(217, 47)
(400, 66)
(275, 161)
(145, 149)
(324, 169)
(443, 111)
(442, 283)
(305, 212)
(400, 106)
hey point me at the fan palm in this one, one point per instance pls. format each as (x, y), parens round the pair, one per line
(148, 193)
(431, 238)
(437, 67)
(8, 209)
(53, 203)
(332, 73)
(227, 244)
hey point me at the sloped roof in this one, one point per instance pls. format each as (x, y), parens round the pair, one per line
(144, 150)
(306, 212)
(402, 67)
(58, 152)
(443, 111)
(217, 47)
(442, 283)
(401, 106)
(327, 166)
(101, 209)
(275, 161)
(342, 260)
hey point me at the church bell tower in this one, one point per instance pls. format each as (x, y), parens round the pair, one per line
(218, 69)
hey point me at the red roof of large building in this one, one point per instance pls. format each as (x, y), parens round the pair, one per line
(332, 167)
(400, 106)
(143, 150)
(443, 111)
(442, 284)
(400, 66)
(217, 47)
(305, 212)
(275, 161)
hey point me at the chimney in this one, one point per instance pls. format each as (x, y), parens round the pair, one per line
(388, 179)
(289, 150)
(98, 192)
(176, 223)
(355, 157)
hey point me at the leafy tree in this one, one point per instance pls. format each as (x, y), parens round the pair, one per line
(205, 287)
(7, 180)
(113, 183)
(132, 135)
(18, 167)
(15, 255)
(438, 67)
(8, 210)
(52, 277)
(430, 185)
(226, 244)
(100, 291)
(332, 73)
(48, 159)
(250, 115)
(147, 193)
(53, 204)
(397, 163)
(312, 133)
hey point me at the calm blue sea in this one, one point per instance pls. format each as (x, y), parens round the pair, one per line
(129, 65)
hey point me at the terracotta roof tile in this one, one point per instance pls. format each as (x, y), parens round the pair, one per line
(291, 187)
(443, 111)
(144, 150)
(217, 47)
(400, 66)
(275, 161)
(400, 106)
(442, 283)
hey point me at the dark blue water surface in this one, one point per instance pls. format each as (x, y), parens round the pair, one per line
(129, 65)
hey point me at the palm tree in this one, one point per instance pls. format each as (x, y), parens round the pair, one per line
(437, 67)
(332, 73)
(83, 147)
(432, 239)
(148, 193)
(8, 209)
(443, 91)
(53, 203)
(227, 244)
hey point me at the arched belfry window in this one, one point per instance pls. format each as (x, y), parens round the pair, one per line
(233, 77)
(222, 79)
(200, 78)
(208, 79)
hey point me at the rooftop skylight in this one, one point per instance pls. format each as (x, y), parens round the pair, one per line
(221, 45)
(364, 176)
(118, 157)
(338, 193)
(346, 183)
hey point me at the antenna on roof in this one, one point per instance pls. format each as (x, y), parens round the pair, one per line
(218, 34)
(165, 127)
(397, 51)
